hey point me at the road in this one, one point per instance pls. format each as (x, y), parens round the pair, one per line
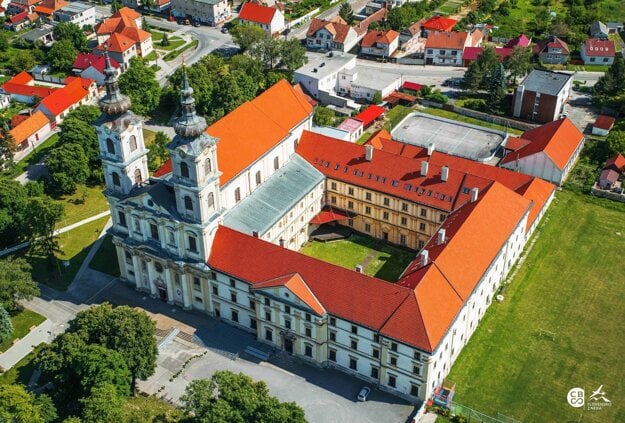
(300, 32)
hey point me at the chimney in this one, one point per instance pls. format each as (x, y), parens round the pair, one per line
(359, 268)
(474, 192)
(424, 257)
(441, 237)
(255, 234)
(424, 168)
(430, 148)
(444, 173)
(281, 242)
(368, 152)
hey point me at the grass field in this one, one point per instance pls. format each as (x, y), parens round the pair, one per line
(22, 322)
(395, 115)
(173, 54)
(150, 409)
(77, 210)
(571, 284)
(460, 118)
(386, 263)
(105, 259)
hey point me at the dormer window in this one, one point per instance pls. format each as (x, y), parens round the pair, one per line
(184, 170)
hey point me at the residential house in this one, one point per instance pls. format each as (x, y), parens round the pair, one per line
(411, 33)
(353, 127)
(597, 52)
(269, 19)
(439, 24)
(552, 50)
(128, 23)
(20, 21)
(333, 34)
(521, 40)
(43, 35)
(120, 47)
(611, 173)
(446, 48)
(31, 131)
(603, 125)
(210, 12)
(91, 66)
(78, 13)
(370, 115)
(19, 6)
(380, 43)
(5, 100)
(599, 30)
(541, 96)
(46, 8)
(161, 6)
(471, 54)
(548, 152)
(22, 88)
(615, 27)
(76, 93)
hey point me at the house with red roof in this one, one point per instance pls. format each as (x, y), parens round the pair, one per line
(447, 48)
(120, 48)
(269, 19)
(549, 153)
(595, 51)
(126, 23)
(603, 125)
(46, 8)
(22, 88)
(380, 43)
(58, 104)
(470, 54)
(31, 131)
(439, 24)
(91, 66)
(610, 175)
(333, 34)
(20, 20)
(552, 50)
(521, 40)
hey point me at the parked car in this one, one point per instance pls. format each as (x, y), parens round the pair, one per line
(364, 393)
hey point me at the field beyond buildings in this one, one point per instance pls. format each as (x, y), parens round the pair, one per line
(572, 285)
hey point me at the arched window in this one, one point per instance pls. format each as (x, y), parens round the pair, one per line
(211, 201)
(208, 167)
(115, 178)
(110, 146)
(276, 163)
(258, 178)
(188, 203)
(133, 143)
(138, 178)
(184, 170)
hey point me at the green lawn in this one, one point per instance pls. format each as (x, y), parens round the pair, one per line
(152, 56)
(571, 284)
(22, 322)
(466, 119)
(33, 157)
(150, 409)
(587, 68)
(74, 246)
(173, 54)
(395, 115)
(364, 137)
(387, 264)
(105, 260)
(174, 43)
(77, 210)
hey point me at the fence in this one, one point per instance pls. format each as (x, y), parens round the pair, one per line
(472, 415)
(308, 16)
(608, 194)
(48, 78)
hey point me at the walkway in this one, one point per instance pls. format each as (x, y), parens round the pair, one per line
(23, 347)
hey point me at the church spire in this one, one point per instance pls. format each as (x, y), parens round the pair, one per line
(189, 124)
(114, 102)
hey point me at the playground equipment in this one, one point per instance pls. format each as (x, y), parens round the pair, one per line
(444, 394)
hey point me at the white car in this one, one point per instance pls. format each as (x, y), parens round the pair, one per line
(364, 393)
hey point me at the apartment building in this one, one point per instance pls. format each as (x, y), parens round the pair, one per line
(210, 12)
(78, 13)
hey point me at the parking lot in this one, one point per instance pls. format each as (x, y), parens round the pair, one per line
(325, 395)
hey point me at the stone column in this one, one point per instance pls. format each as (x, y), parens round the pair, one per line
(151, 271)
(137, 269)
(170, 286)
(185, 291)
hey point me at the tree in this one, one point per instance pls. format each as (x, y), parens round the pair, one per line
(140, 84)
(7, 147)
(47, 409)
(610, 88)
(103, 405)
(6, 326)
(62, 55)
(44, 218)
(21, 60)
(96, 365)
(323, 116)
(518, 63)
(115, 6)
(377, 98)
(497, 89)
(246, 36)
(230, 397)
(78, 130)
(16, 282)
(13, 212)
(479, 73)
(165, 40)
(292, 54)
(158, 153)
(267, 50)
(72, 32)
(84, 113)
(615, 142)
(4, 40)
(123, 329)
(346, 12)
(18, 405)
(147, 5)
(68, 167)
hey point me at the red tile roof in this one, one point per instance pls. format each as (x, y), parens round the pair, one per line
(20, 84)
(516, 143)
(22, 78)
(439, 23)
(335, 26)
(551, 42)
(136, 34)
(19, 17)
(29, 126)
(472, 53)
(298, 87)
(165, 169)
(62, 99)
(379, 37)
(407, 85)
(604, 122)
(538, 191)
(257, 13)
(297, 286)
(118, 43)
(386, 172)
(447, 40)
(48, 7)
(520, 41)
(558, 140)
(329, 215)
(85, 60)
(372, 113)
(594, 47)
(617, 162)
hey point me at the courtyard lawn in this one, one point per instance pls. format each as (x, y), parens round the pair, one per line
(22, 322)
(105, 259)
(572, 284)
(386, 263)
(87, 201)
(74, 246)
(395, 115)
(466, 119)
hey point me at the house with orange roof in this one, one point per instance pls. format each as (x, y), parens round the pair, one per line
(46, 8)
(120, 48)
(22, 88)
(269, 19)
(380, 43)
(447, 48)
(333, 34)
(62, 101)
(31, 131)
(550, 152)
(439, 24)
(127, 23)
(20, 21)
(209, 12)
